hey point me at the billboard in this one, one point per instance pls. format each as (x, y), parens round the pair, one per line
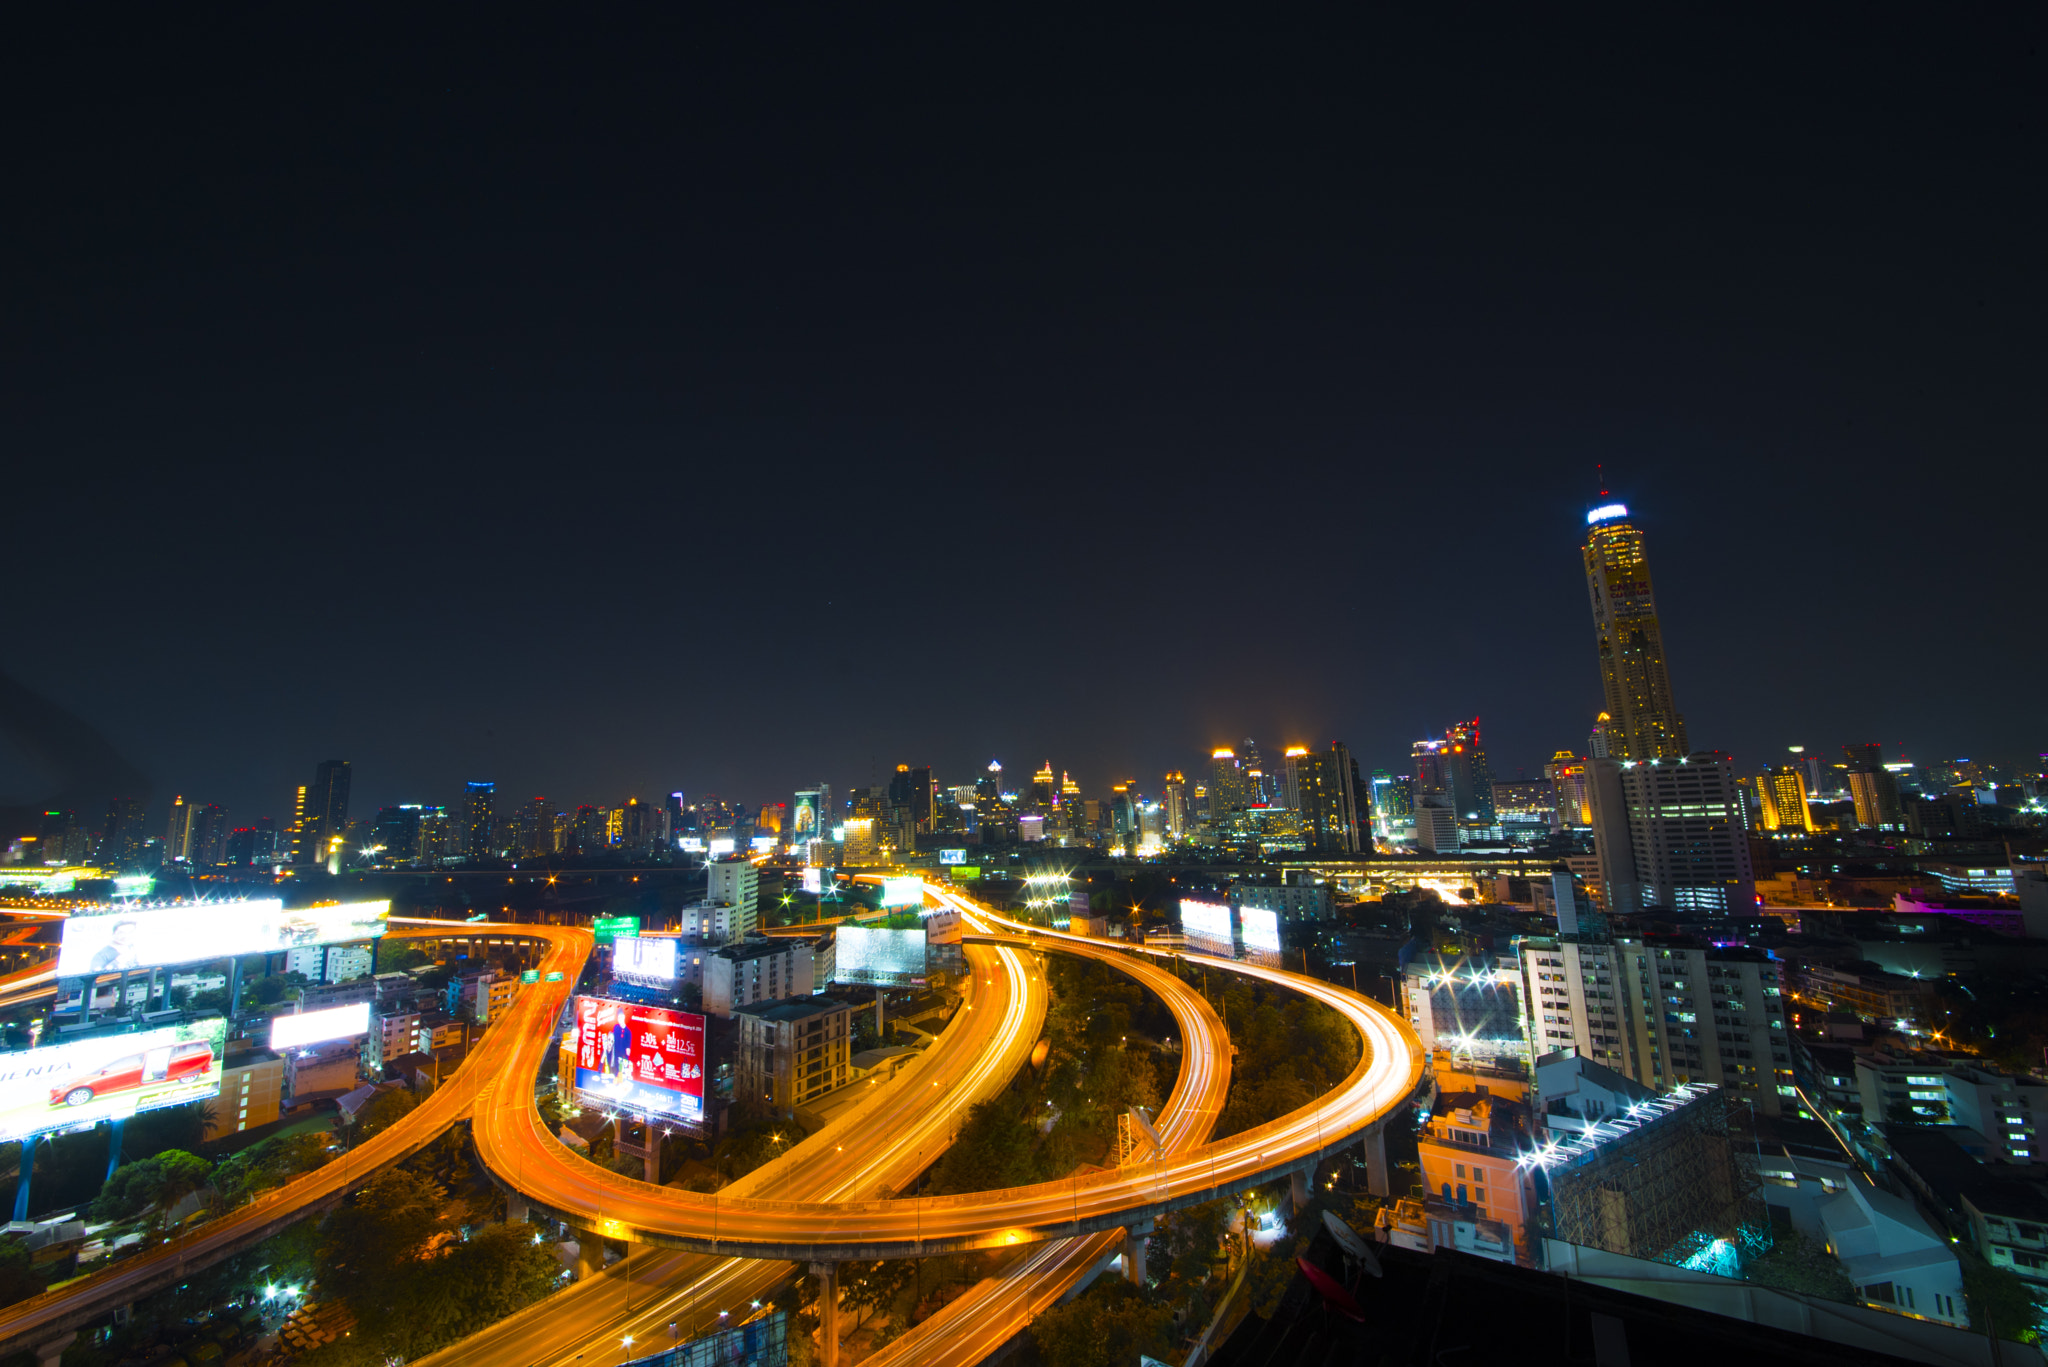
(649, 961)
(814, 880)
(867, 954)
(1261, 929)
(803, 817)
(952, 857)
(317, 1027)
(609, 928)
(119, 940)
(719, 845)
(1205, 920)
(693, 843)
(76, 1084)
(965, 873)
(903, 892)
(642, 1058)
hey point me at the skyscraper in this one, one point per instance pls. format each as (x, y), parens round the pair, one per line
(122, 839)
(1226, 786)
(1173, 802)
(1690, 847)
(1290, 777)
(1567, 775)
(326, 817)
(1784, 794)
(1644, 721)
(482, 820)
(1328, 801)
(177, 831)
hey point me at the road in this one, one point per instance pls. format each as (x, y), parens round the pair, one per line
(521, 1151)
(54, 1314)
(591, 1322)
(877, 1145)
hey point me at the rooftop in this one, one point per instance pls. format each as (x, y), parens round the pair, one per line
(793, 1009)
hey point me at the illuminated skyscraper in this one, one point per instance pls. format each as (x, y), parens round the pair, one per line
(1645, 722)
(482, 820)
(1290, 777)
(1173, 804)
(1567, 775)
(178, 831)
(294, 834)
(1784, 794)
(1226, 786)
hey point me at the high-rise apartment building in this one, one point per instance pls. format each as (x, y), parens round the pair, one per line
(324, 821)
(177, 830)
(481, 819)
(1644, 722)
(1326, 800)
(206, 834)
(1664, 1014)
(735, 882)
(1226, 786)
(1467, 775)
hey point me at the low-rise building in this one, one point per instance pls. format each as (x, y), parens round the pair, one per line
(1894, 1260)
(790, 1053)
(1901, 1088)
(1468, 1147)
(2001, 1107)
(251, 1093)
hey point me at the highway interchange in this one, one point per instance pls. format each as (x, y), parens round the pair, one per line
(697, 1257)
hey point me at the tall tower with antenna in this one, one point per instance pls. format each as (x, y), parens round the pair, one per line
(1643, 722)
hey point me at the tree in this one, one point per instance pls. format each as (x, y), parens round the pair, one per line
(1113, 1322)
(386, 1109)
(870, 1286)
(181, 1174)
(18, 1279)
(157, 1183)
(1798, 1264)
(273, 1162)
(2000, 1302)
(370, 1247)
(995, 1149)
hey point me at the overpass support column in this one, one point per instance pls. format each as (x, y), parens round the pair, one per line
(51, 1354)
(589, 1254)
(516, 1209)
(1297, 1188)
(1136, 1240)
(1378, 1180)
(828, 1313)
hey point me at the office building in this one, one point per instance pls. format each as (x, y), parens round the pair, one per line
(206, 834)
(324, 822)
(1875, 791)
(1175, 814)
(790, 1053)
(1783, 791)
(1325, 793)
(177, 830)
(1436, 826)
(757, 971)
(396, 831)
(1467, 778)
(1467, 1008)
(295, 833)
(1643, 722)
(1567, 774)
(2008, 1110)
(481, 820)
(1664, 1014)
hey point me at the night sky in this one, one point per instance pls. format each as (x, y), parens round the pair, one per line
(605, 404)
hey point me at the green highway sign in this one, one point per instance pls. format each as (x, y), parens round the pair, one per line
(608, 928)
(554, 977)
(531, 975)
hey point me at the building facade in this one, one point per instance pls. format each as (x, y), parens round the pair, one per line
(1645, 723)
(790, 1053)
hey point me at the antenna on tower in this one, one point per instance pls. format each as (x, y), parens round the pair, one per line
(1600, 469)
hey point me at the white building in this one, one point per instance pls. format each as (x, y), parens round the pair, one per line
(1895, 1261)
(757, 971)
(2000, 1107)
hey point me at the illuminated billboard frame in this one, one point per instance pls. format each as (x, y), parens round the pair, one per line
(1205, 920)
(902, 892)
(1261, 929)
(76, 1084)
(870, 954)
(120, 941)
(640, 1058)
(647, 960)
(949, 857)
(317, 1027)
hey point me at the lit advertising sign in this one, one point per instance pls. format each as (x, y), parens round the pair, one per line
(1261, 929)
(650, 961)
(803, 816)
(692, 843)
(642, 1058)
(764, 844)
(966, 873)
(723, 844)
(1208, 920)
(902, 892)
(814, 880)
(952, 857)
(1606, 512)
(868, 954)
(317, 1027)
(75, 1085)
(609, 928)
(209, 930)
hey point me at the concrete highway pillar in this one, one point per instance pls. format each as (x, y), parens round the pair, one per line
(51, 1354)
(28, 1171)
(1297, 1187)
(1136, 1238)
(515, 1208)
(1378, 1179)
(828, 1313)
(589, 1254)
